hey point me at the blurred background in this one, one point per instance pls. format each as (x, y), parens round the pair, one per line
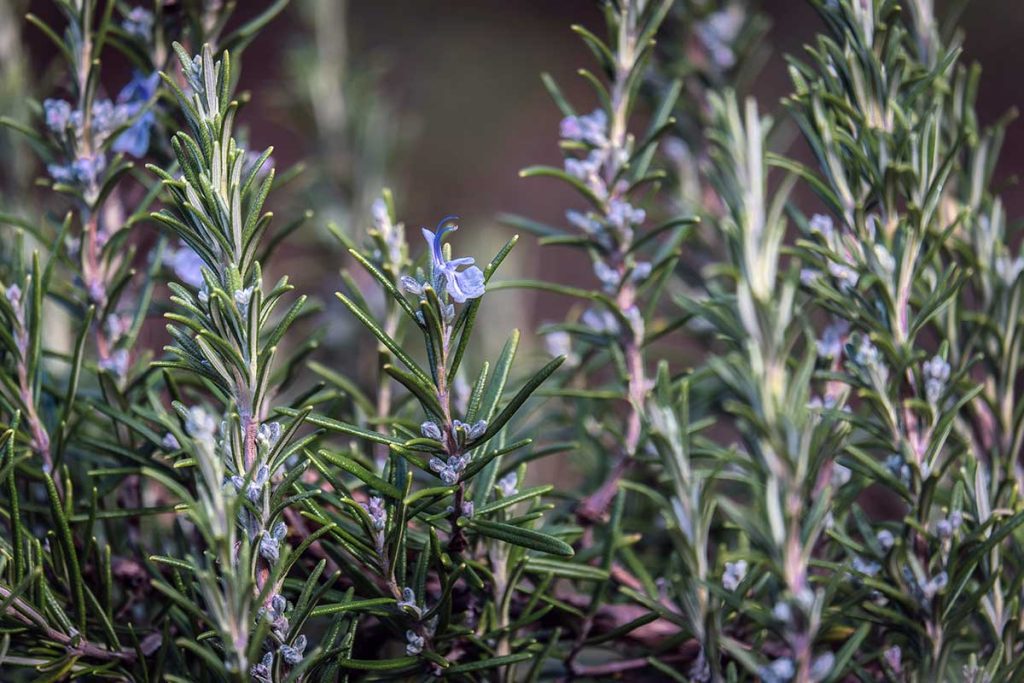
(442, 101)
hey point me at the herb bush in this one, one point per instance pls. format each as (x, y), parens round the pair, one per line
(828, 490)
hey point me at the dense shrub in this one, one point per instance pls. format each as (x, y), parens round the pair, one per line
(791, 394)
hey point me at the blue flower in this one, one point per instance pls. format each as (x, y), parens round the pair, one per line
(187, 265)
(140, 89)
(138, 23)
(460, 285)
(135, 139)
(132, 98)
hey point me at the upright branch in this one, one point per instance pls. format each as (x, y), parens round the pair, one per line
(225, 335)
(610, 168)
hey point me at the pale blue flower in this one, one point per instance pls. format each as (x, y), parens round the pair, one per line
(733, 574)
(822, 224)
(13, 295)
(641, 271)
(831, 343)
(134, 141)
(414, 643)
(936, 584)
(936, 373)
(138, 23)
(508, 485)
(408, 602)
(866, 567)
(242, 299)
(894, 658)
(460, 285)
(846, 277)
(84, 171)
(718, 33)
(133, 97)
(822, 665)
(590, 128)
(600, 321)
(779, 671)
(200, 424)
(1009, 269)
(608, 276)
(186, 264)
(87, 170)
(116, 363)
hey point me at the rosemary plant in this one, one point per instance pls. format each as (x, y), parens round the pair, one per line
(791, 456)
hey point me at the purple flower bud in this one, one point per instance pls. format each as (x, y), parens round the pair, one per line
(414, 643)
(831, 343)
(779, 671)
(242, 298)
(733, 575)
(866, 567)
(292, 654)
(116, 363)
(431, 431)
(591, 128)
(600, 321)
(378, 515)
(936, 584)
(13, 295)
(410, 285)
(380, 214)
(809, 276)
(278, 604)
(507, 484)
(268, 434)
(622, 215)
(261, 671)
(57, 114)
(87, 170)
(61, 174)
(608, 276)
(269, 549)
(894, 658)
(823, 225)
(641, 271)
(200, 424)
(478, 429)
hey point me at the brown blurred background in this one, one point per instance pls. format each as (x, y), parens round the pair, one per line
(461, 79)
(453, 106)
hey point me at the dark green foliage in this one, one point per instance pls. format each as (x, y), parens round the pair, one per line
(821, 484)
